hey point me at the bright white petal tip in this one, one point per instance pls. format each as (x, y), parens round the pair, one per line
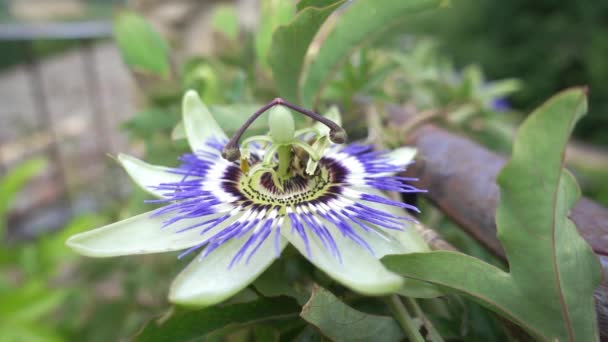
(401, 156)
(141, 234)
(178, 132)
(147, 176)
(199, 124)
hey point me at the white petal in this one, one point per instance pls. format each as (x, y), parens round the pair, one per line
(199, 124)
(209, 280)
(178, 132)
(359, 270)
(410, 241)
(141, 234)
(401, 156)
(146, 175)
(409, 238)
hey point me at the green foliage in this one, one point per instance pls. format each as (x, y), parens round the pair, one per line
(549, 45)
(28, 304)
(541, 242)
(142, 48)
(225, 20)
(290, 44)
(13, 182)
(273, 283)
(17, 178)
(355, 28)
(340, 322)
(273, 13)
(194, 325)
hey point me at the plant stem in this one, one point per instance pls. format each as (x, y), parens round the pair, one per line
(433, 334)
(284, 154)
(404, 319)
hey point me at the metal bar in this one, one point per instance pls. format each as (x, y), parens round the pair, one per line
(93, 89)
(44, 116)
(71, 30)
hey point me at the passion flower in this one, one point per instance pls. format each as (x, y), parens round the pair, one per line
(240, 205)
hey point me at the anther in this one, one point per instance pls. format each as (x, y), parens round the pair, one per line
(231, 153)
(338, 136)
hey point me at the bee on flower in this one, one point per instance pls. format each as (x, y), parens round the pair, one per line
(238, 204)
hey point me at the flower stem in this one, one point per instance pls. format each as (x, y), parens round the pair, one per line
(404, 319)
(284, 154)
(433, 334)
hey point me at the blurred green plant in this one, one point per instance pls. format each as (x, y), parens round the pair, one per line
(13, 182)
(143, 49)
(548, 45)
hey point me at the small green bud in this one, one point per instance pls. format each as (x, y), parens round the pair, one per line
(282, 126)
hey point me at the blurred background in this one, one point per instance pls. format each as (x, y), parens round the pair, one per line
(67, 100)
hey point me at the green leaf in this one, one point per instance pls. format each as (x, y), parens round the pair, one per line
(360, 23)
(205, 79)
(303, 4)
(232, 117)
(340, 322)
(14, 181)
(142, 48)
(225, 19)
(273, 14)
(273, 283)
(289, 46)
(52, 248)
(144, 123)
(32, 332)
(553, 272)
(30, 302)
(190, 325)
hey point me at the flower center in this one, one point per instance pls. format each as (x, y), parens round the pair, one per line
(300, 188)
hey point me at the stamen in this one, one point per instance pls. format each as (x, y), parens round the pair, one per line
(231, 151)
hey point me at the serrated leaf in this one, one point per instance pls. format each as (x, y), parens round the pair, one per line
(340, 322)
(289, 46)
(194, 325)
(360, 23)
(142, 48)
(553, 272)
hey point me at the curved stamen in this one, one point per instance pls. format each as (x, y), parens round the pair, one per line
(231, 151)
(260, 138)
(311, 152)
